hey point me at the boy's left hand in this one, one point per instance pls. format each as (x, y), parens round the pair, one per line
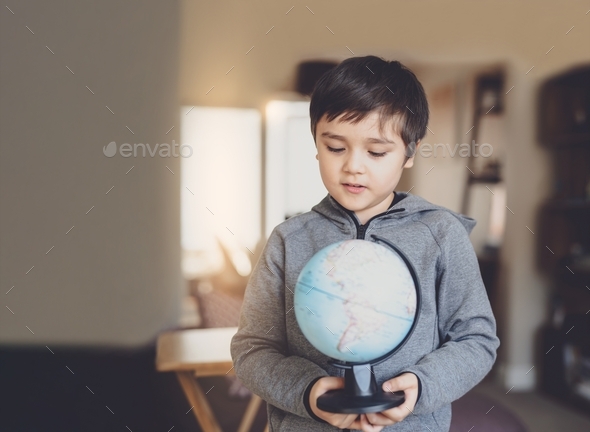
(408, 383)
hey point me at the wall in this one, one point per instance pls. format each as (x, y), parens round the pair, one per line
(247, 51)
(83, 263)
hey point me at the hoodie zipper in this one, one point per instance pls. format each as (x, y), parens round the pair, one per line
(361, 230)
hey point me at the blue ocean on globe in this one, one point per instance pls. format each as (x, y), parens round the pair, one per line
(355, 300)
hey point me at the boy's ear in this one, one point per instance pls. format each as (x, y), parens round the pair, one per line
(410, 160)
(317, 157)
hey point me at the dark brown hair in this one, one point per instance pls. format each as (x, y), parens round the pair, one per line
(360, 85)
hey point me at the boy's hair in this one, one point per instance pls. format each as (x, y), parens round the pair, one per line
(360, 85)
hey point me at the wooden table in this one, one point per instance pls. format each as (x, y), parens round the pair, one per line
(199, 353)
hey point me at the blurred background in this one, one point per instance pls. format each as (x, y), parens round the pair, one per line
(106, 247)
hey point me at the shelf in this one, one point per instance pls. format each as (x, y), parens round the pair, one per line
(570, 204)
(491, 179)
(567, 140)
(563, 230)
(574, 276)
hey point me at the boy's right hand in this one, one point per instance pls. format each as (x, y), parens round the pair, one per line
(342, 421)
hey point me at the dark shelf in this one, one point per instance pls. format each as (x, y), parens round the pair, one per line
(564, 109)
(568, 204)
(567, 140)
(574, 277)
(490, 179)
(564, 232)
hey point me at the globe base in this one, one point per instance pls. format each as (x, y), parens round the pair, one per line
(340, 401)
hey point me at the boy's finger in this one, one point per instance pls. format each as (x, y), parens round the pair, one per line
(401, 382)
(352, 422)
(378, 419)
(366, 426)
(397, 414)
(356, 425)
(329, 383)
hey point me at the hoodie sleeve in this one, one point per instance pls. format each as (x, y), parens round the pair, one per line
(259, 348)
(467, 327)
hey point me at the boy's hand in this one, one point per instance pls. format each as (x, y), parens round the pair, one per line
(342, 421)
(408, 383)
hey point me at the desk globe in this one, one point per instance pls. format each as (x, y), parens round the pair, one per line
(357, 302)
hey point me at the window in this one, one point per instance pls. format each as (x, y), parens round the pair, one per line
(220, 188)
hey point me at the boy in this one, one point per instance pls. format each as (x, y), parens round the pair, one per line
(367, 119)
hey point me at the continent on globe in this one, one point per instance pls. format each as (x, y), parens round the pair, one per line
(355, 300)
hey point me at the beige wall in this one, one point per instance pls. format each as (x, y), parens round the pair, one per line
(217, 36)
(426, 35)
(115, 278)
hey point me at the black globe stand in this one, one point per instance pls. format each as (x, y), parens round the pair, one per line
(360, 393)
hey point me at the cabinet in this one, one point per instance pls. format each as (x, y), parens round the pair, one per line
(564, 236)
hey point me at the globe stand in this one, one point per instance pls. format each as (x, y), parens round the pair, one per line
(360, 393)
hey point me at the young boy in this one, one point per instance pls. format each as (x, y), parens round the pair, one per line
(368, 116)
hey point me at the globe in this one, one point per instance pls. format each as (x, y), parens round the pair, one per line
(355, 301)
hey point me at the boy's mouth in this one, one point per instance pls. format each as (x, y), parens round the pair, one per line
(354, 188)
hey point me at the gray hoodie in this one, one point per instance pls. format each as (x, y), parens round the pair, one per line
(453, 345)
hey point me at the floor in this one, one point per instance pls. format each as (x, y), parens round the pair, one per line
(102, 390)
(115, 390)
(538, 412)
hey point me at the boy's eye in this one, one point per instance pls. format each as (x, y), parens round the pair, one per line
(338, 150)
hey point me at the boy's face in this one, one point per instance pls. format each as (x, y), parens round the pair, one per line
(350, 154)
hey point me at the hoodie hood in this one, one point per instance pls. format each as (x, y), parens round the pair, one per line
(409, 206)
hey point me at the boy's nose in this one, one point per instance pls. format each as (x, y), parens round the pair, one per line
(354, 163)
